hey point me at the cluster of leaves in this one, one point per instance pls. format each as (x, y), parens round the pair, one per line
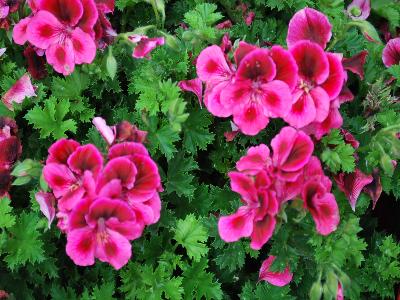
(182, 256)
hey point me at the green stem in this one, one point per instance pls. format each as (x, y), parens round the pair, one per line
(156, 13)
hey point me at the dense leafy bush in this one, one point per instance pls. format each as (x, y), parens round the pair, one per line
(255, 149)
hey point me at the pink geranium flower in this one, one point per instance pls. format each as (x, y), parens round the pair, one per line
(274, 278)
(144, 45)
(391, 52)
(21, 89)
(359, 9)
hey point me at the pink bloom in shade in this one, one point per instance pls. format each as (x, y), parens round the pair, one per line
(193, 85)
(46, 202)
(352, 184)
(145, 45)
(106, 6)
(224, 25)
(36, 64)
(349, 138)
(101, 229)
(21, 89)
(274, 278)
(339, 293)
(4, 294)
(226, 44)
(255, 96)
(359, 9)
(230, 135)
(249, 18)
(321, 78)
(292, 150)
(104, 33)
(374, 189)
(356, 63)
(107, 132)
(309, 24)
(2, 51)
(391, 53)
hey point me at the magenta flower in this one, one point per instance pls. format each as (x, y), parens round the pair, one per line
(193, 85)
(359, 9)
(339, 293)
(21, 89)
(274, 278)
(144, 45)
(248, 19)
(101, 229)
(352, 184)
(46, 202)
(309, 24)
(391, 53)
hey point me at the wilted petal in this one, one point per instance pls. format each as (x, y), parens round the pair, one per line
(193, 85)
(391, 53)
(249, 18)
(211, 65)
(349, 138)
(345, 95)
(352, 184)
(374, 189)
(224, 25)
(356, 63)
(10, 151)
(2, 51)
(36, 63)
(128, 132)
(5, 181)
(309, 24)
(21, 89)
(46, 202)
(107, 132)
(274, 278)
(234, 227)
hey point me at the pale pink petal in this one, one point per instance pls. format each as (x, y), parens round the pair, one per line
(359, 9)
(46, 202)
(193, 85)
(44, 30)
(2, 51)
(61, 57)
(21, 89)
(155, 204)
(20, 31)
(339, 294)
(81, 245)
(262, 232)
(212, 99)
(84, 46)
(309, 24)
(107, 132)
(274, 278)
(286, 67)
(4, 11)
(391, 53)
(240, 224)
(211, 65)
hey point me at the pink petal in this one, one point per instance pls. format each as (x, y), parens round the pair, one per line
(309, 24)
(107, 132)
(46, 202)
(84, 158)
(276, 98)
(286, 67)
(242, 50)
(155, 204)
(111, 189)
(81, 245)
(89, 16)
(84, 47)
(256, 159)
(44, 30)
(249, 18)
(224, 25)
(333, 120)
(345, 95)
(339, 294)
(374, 189)
(60, 151)
(262, 232)
(21, 89)
(20, 31)
(59, 178)
(256, 65)
(67, 11)
(352, 184)
(212, 99)
(356, 63)
(78, 216)
(211, 65)
(106, 208)
(321, 102)
(119, 168)
(274, 278)
(114, 249)
(106, 6)
(146, 45)
(391, 53)
(251, 120)
(127, 149)
(144, 213)
(333, 85)
(129, 229)
(312, 61)
(61, 57)
(363, 5)
(244, 186)
(2, 51)
(303, 111)
(4, 11)
(193, 85)
(240, 224)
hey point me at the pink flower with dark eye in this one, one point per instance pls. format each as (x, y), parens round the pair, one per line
(275, 278)
(391, 53)
(352, 184)
(46, 202)
(101, 229)
(144, 45)
(193, 85)
(21, 89)
(359, 9)
(309, 24)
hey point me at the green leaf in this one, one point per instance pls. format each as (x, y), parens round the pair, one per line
(196, 133)
(179, 178)
(111, 64)
(50, 118)
(70, 87)
(7, 219)
(164, 139)
(192, 235)
(340, 157)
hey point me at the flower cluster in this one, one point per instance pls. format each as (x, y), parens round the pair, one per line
(266, 181)
(101, 209)
(10, 151)
(66, 31)
(6, 8)
(304, 85)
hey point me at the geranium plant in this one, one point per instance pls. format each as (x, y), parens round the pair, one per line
(182, 149)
